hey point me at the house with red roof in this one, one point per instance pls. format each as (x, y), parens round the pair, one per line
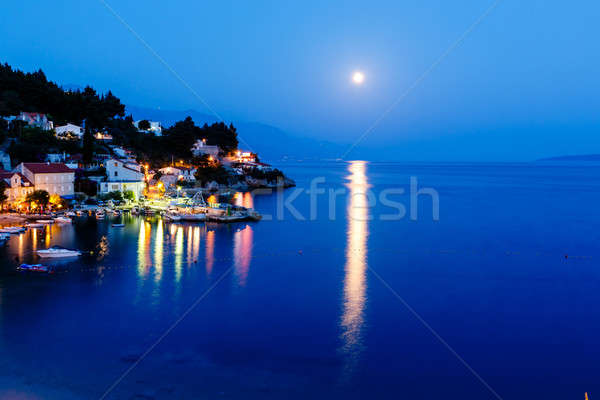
(17, 186)
(55, 178)
(35, 119)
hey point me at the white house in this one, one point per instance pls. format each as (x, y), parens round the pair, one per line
(68, 131)
(123, 175)
(56, 157)
(200, 148)
(182, 173)
(155, 127)
(122, 152)
(55, 178)
(34, 119)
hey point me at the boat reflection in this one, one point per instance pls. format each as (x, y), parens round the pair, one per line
(352, 319)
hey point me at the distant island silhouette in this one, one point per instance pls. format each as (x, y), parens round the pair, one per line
(583, 157)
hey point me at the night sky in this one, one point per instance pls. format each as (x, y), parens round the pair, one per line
(523, 83)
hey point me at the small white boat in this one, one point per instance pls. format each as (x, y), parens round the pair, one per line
(80, 213)
(58, 252)
(193, 217)
(253, 215)
(100, 215)
(71, 214)
(63, 220)
(4, 237)
(118, 225)
(35, 225)
(45, 221)
(172, 217)
(13, 229)
(236, 217)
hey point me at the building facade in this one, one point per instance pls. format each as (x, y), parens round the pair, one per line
(17, 186)
(69, 131)
(35, 119)
(200, 148)
(55, 178)
(181, 173)
(123, 175)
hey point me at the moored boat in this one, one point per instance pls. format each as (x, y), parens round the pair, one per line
(45, 221)
(35, 268)
(228, 218)
(63, 220)
(58, 252)
(13, 229)
(171, 216)
(192, 217)
(32, 225)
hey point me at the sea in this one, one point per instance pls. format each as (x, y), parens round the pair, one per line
(366, 280)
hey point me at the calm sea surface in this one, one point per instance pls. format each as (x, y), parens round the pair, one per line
(501, 294)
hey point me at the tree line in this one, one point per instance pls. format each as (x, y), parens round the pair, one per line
(33, 92)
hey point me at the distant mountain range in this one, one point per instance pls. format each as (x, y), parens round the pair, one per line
(584, 157)
(271, 143)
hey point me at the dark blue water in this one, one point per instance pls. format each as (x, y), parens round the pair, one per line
(335, 306)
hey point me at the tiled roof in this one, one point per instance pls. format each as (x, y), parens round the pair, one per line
(7, 175)
(47, 168)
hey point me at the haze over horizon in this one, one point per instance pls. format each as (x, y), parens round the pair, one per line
(522, 85)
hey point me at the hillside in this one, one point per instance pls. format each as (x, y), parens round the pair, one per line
(271, 143)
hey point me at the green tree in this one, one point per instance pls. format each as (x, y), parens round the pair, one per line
(129, 195)
(88, 145)
(40, 197)
(213, 172)
(3, 196)
(144, 125)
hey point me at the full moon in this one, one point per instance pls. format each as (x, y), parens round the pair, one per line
(358, 77)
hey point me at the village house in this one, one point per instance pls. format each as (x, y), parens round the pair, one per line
(103, 136)
(122, 153)
(182, 173)
(172, 175)
(69, 131)
(55, 178)
(200, 148)
(155, 127)
(17, 186)
(34, 119)
(123, 175)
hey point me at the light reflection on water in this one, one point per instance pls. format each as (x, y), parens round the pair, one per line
(210, 251)
(355, 269)
(178, 251)
(243, 199)
(158, 251)
(242, 253)
(160, 240)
